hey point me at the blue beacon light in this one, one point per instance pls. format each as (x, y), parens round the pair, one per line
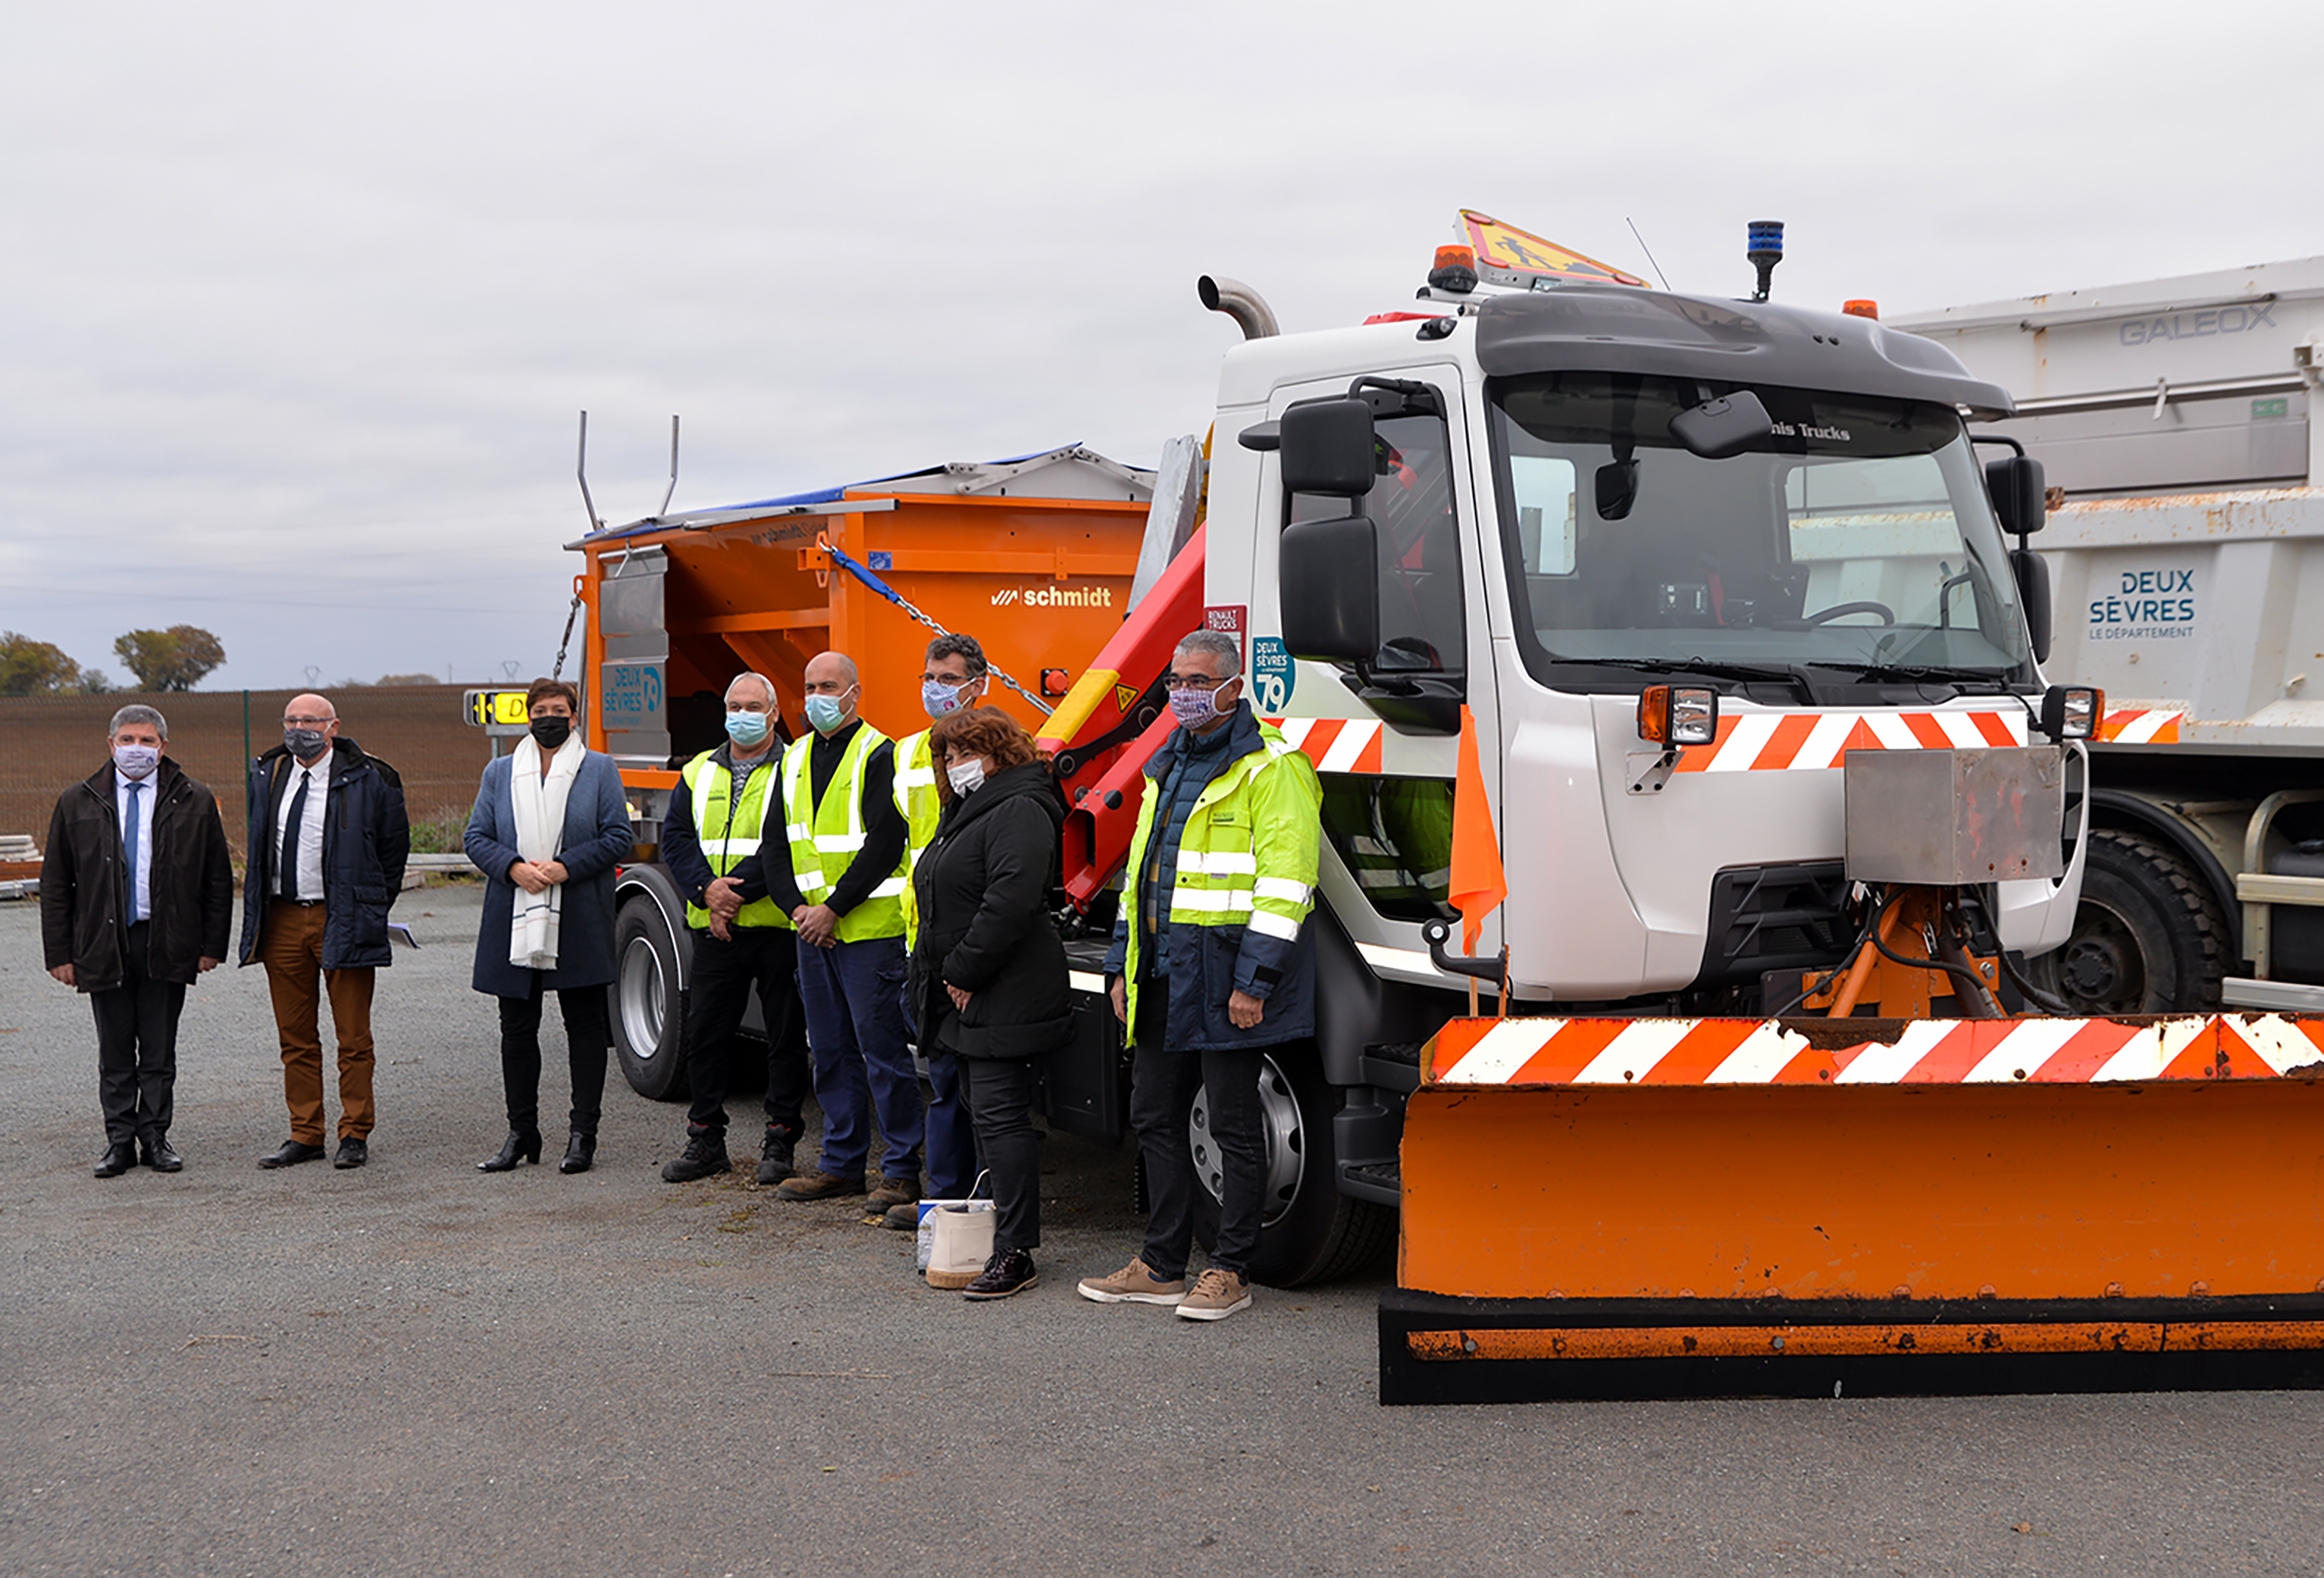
(1764, 251)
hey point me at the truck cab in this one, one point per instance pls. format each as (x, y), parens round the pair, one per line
(1556, 509)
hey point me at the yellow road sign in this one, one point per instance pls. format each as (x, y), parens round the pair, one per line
(503, 707)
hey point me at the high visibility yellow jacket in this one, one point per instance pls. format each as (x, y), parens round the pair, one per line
(1239, 891)
(825, 839)
(916, 798)
(726, 842)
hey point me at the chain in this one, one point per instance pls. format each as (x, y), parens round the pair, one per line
(893, 595)
(571, 614)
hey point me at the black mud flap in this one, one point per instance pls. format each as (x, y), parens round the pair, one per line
(1438, 1349)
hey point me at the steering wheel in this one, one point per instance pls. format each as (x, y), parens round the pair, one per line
(1840, 610)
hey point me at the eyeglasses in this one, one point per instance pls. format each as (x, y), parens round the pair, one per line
(1195, 682)
(306, 723)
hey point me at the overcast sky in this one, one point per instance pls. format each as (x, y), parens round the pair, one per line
(298, 302)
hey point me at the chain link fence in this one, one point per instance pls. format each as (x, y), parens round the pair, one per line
(50, 741)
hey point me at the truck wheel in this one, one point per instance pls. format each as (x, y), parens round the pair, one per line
(2147, 938)
(649, 1011)
(1308, 1231)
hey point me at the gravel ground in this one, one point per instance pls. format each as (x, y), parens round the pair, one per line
(416, 1369)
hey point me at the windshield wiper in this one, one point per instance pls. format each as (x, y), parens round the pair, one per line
(1983, 682)
(1780, 672)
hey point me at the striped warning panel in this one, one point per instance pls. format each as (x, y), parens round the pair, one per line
(1794, 742)
(2142, 726)
(1335, 745)
(1924, 1052)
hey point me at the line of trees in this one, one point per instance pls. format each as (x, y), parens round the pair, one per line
(172, 659)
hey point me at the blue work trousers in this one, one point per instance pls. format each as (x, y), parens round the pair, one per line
(855, 1027)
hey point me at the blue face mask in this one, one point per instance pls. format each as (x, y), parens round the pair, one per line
(747, 729)
(824, 712)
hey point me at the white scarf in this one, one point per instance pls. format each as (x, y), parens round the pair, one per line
(538, 808)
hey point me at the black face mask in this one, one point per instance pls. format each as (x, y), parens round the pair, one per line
(552, 732)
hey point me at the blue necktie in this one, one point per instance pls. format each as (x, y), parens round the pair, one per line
(290, 831)
(129, 832)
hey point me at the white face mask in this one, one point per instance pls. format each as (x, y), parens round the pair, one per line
(966, 776)
(136, 761)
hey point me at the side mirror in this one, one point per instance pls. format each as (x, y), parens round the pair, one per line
(1327, 449)
(2032, 592)
(1719, 428)
(2072, 713)
(2018, 490)
(1329, 581)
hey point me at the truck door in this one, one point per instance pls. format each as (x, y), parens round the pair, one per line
(1388, 813)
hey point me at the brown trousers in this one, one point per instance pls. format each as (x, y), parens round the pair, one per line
(291, 948)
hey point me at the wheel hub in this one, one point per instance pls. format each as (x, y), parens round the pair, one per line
(1280, 1129)
(640, 993)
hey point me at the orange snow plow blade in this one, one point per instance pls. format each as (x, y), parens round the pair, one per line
(1708, 1207)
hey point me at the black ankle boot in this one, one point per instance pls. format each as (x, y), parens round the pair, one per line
(516, 1148)
(579, 1151)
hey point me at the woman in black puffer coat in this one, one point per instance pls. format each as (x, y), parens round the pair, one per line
(988, 976)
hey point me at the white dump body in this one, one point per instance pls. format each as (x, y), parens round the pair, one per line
(2180, 419)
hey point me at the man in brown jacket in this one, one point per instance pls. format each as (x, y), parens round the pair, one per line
(137, 898)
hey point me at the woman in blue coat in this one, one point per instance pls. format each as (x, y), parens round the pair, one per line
(548, 913)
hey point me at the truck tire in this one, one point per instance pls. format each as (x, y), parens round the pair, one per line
(2147, 938)
(649, 1011)
(1310, 1232)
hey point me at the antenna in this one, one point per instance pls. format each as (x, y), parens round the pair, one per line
(673, 488)
(1649, 251)
(581, 472)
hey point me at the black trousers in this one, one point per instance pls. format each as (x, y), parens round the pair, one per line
(1162, 1084)
(765, 956)
(137, 1047)
(586, 1035)
(999, 1092)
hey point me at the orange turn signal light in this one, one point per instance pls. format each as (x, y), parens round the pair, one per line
(1860, 308)
(1675, 715)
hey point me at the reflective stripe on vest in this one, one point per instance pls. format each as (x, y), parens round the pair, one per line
(916, 798)
(824, 840)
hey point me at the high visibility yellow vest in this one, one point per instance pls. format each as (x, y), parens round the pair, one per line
(724, 845)
(824, 841)
(1248, 854)
(915, 797)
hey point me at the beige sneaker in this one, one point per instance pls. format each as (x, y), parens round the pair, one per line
(1217, 1296)
(1134, 1284)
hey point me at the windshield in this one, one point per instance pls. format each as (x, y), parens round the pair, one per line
(1856, 537)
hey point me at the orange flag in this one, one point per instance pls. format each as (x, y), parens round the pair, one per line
(1479, 883)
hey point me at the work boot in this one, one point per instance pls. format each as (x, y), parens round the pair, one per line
(893, 1192)
(903, 1217)
(776, 1156)
(819, 1186)
(704, 1155)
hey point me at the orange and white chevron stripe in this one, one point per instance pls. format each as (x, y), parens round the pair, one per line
(1335, 745)
(2142, 726)
(1794, 742)
(1928, 1052)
